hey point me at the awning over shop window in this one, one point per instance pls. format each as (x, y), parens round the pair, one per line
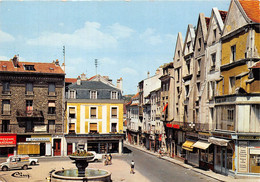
(218, 141)
(201, 145)
(188, 145)
(72, 111)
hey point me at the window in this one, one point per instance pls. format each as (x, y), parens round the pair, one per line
(29, 67)
(188, 46)
(178, 74)
(199, 44)
(6, 87)
(113, 95)
(29, 126)
(93, 128)
(179, 53)
(93, 112)
(114, 127)
(114, 112)
(6, 109)
(71, 127)
(199, 61)
(213, 61)
(29, 88)
(198, 87)
(225, 117)
(232, 85)
(93, 94)
(29, 106)
(187, 89)
(72, 112)
(163, 87)
(51, 107)
(72, 94)
(51, 88)
(188, 66)
(233, 53)
(167, 87)
(215, 34)
(5, 126)
(51, 126)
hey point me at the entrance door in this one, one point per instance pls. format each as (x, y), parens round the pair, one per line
(57, 147)
(42, 149)
(69, 148)
(224, 169)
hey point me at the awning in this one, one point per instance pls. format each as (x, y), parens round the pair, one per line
(218, 141)
(188, 145)
(165, 107)
(201, 145)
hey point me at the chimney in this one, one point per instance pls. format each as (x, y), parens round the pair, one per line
(16, 61)
(83, 76)
(57, 62)
(119, 84)
(148, 74)
(78, 81)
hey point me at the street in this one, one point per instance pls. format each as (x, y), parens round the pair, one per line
(147, 168)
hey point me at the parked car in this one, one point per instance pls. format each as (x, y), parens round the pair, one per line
(15, 162)
(98, 157)
(33, 161)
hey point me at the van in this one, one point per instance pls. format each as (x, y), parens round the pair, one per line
(15, 162)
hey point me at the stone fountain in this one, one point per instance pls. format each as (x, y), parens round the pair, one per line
(81, 173)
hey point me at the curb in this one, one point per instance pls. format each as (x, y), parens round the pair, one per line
(191, 168)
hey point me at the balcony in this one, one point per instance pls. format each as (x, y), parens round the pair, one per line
(32, 113)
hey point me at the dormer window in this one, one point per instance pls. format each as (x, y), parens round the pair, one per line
(72, 94)
(93, 94)
(114, 95)
(29, 67)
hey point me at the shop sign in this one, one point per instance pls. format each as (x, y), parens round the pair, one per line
(176, 126)
(7, 140)
(243, 163)
(37, 139)
(249, 137)
(204, 136)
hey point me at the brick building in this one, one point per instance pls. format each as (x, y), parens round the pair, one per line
(31, 107)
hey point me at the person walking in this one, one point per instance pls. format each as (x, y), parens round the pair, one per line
(110, 159)
(132, 167)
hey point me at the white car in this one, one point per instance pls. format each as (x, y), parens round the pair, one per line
(15, 162)
(98, 157)
(33, 161)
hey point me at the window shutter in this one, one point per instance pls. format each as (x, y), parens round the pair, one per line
(93, 126)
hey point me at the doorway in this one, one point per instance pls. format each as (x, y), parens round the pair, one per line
(42, 149)
(69, 148)
(57, 147)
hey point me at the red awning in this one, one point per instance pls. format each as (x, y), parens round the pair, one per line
(165, 107)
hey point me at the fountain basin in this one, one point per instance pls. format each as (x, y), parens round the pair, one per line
(97, 175)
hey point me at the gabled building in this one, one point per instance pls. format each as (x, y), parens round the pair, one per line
(237, 104)
(94, 117)
(32, 108)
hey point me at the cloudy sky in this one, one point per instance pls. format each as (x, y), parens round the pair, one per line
(129, 38)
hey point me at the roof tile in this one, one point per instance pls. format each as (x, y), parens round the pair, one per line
(252, 9)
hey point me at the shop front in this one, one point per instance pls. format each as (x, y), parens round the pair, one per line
(192, 154)
(100, 143)
(224, 155)
(7, 144)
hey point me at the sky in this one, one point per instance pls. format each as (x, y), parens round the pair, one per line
(128, 38)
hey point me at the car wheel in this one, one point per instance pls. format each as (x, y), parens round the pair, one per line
(25, 167)
(33, 163)
(5, 168)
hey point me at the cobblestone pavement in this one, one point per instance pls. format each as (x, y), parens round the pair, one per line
(120, 171)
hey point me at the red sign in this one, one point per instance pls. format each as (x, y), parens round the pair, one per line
(7, 139)
(173, 126)
(160, 139)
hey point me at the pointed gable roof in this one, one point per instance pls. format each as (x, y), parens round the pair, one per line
(190, 36)
(179, 45)
(252, 9)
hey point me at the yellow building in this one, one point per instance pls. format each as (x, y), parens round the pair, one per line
(94, 117)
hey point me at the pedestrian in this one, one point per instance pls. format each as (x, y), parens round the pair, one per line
(132, 167)
(110, 159)
(105, 160)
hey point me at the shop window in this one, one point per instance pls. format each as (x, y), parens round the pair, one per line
(254, 163)
(93, 128)
(51, 107)
(5, 126)
(93, 112)
(114, 112)
(29, 106)
(6, 88)
(51, 89)
(29, 88)
(114, 127)
(6, 108)
(51, 126)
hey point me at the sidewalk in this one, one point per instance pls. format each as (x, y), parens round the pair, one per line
(208, 173)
